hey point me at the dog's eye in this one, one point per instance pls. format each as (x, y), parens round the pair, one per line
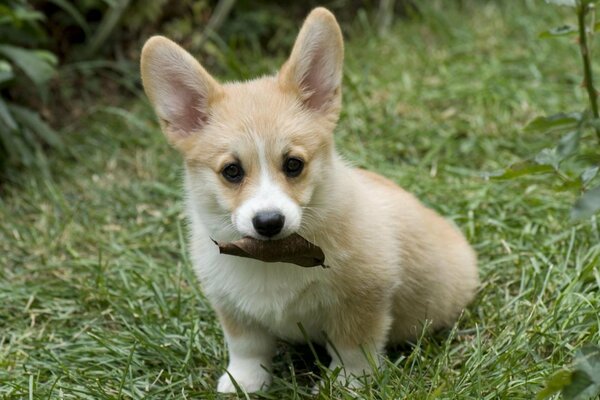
(293, 167)
(233, 172)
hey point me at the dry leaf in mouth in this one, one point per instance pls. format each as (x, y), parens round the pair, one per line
(292, 249)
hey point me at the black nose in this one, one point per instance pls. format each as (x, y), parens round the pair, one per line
(268, 223)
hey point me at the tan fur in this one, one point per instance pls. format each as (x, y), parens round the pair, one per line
(395, 264)
(229, 323)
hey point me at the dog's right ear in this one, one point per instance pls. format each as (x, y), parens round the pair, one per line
(179, 88)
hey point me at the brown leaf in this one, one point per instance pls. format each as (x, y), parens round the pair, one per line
(292, 249)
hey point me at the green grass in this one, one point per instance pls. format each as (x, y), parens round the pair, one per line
(98, 299)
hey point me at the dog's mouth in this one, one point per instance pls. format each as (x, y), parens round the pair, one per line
(292, 249)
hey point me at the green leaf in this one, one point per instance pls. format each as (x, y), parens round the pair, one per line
(569, 185)
(588, 174)
(74, 13)
(17, 14)
(107, 26)
(16, 148)
(589, 361)
(548, 157)
(555, 384)
(6, 117)
(563, 30)
(6, 72)
(568, 144)
(587, 204)
(32, 120)
(593, 122)
(580, 386)
(520, 169)
(582, 382)
(38, 65)
(585, 379)
(569, 3)
(556, 122)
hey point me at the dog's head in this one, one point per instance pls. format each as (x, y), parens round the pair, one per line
(256, 151)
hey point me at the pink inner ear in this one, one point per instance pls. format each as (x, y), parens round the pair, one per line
(185, 108)
(316, 84)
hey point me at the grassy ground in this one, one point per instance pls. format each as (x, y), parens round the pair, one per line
(98, 299)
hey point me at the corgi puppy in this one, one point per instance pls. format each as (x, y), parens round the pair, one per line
(260, 161)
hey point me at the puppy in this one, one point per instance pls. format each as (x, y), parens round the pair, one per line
(260, 161)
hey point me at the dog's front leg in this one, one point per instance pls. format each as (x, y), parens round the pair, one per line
(356, 339)
(251, 349)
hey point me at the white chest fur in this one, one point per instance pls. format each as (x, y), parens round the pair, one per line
(279, 296)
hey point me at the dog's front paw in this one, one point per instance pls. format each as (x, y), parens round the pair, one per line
(249, 379)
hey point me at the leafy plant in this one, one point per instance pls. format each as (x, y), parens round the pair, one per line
(21, 128)
(581, 382)
(97, 43)
(575, 169)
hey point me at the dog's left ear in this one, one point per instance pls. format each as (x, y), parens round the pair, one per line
(314, 69)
